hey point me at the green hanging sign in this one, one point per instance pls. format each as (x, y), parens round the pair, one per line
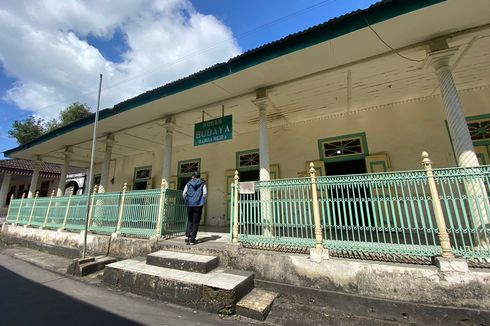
(213, 131)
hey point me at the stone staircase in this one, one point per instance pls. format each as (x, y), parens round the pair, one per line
(186, 279)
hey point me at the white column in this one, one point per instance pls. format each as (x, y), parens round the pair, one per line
(167, 147)
(35, 177)
(463, 145)
(104, 173)
(262, 104)
(5, 189)
(64, 171)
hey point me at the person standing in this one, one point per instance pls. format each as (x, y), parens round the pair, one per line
(194, 199)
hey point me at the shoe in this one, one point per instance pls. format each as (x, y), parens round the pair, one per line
(187, 240)
(192, 242)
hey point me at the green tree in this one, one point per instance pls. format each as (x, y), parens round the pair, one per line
(74, 112)
(31, 128)
(71, 113)
(27, 130)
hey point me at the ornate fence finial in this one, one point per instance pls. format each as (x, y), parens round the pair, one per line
(164, 184)
(125, 187)
(426, 162)
(312, 169)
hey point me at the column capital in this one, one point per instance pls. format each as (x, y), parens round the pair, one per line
(109, 140)
(262, 103)
(439, 59)
(68, 151)
(168, 123)
(38, 161)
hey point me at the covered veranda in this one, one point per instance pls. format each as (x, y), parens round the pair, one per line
(333, 95)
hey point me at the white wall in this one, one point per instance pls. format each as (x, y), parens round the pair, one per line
(403, 131)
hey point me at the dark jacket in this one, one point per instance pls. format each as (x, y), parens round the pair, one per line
(194, 193)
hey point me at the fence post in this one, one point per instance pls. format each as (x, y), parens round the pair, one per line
(49, 208)
(121, 208)
(67, 209)
(235, 208)
(91, 207)
(436, 204)
(10, 205)
(33, 206)
(20, 208)
(316, 209)
(161, 203)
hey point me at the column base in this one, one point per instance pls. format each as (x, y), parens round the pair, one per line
(451, 264)
(317, 255)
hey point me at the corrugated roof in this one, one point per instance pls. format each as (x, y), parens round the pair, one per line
(25, 167)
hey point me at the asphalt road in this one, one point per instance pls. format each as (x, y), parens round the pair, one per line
(33, 296)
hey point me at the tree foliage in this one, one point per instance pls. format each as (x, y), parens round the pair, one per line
(27, 130)
(33, 127)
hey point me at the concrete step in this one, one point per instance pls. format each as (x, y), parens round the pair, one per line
(87, 266)
(183, 261)
(256, 305)
(217, 291)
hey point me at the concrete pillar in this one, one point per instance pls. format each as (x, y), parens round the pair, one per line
(5, 189)
(463, 145)
(167, 147)
(262, 102)
(64, 171)
(35, 177)
(104, 174)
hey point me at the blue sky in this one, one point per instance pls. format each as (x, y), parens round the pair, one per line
(51, 51)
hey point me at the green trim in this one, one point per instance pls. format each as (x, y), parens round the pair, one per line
(342, 158)
(484, 142)
(103, 114)
(141, 168)
(373, 164)
(187, 161)
(327, 31)
(478, 117)
(248, 168)
(451, 142)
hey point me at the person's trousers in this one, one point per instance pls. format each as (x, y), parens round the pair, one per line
(193, 220)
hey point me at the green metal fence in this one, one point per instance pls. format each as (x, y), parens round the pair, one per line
(140, 212)
(174, 219)
(104, 212)
(287, 205)
(464, 197)
(384, 213)
(387, 213)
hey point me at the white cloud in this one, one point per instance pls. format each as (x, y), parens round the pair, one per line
(42, 45)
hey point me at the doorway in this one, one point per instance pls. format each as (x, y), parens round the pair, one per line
(346, 167)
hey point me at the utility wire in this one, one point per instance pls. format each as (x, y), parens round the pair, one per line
(389, 46)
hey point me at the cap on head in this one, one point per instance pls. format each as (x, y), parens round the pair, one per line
(196, 174)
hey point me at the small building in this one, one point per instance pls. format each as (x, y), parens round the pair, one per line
(16, 179)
